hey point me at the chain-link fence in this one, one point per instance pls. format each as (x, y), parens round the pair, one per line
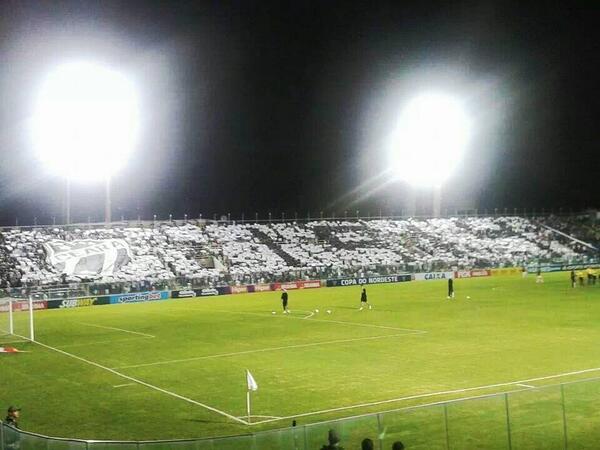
(564, 416)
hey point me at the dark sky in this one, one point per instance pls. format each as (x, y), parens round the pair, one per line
(257, 106)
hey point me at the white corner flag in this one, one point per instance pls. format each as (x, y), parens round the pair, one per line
(252, 386)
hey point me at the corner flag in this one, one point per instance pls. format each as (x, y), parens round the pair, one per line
(252, 386)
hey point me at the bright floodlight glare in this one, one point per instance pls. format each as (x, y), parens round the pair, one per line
(85, 121)
(430, 139)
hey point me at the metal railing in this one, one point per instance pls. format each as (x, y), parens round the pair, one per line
(66, 291)
(561, 416)
(350, 215)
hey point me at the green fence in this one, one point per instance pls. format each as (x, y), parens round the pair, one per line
(564, 416)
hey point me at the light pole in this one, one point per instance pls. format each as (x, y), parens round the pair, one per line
(107, 203)
(68, 201)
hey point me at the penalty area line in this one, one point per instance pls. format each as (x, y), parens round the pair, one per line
(268, 349)
(110, 341)
(138, 381)
(116, 329)
(341, 322)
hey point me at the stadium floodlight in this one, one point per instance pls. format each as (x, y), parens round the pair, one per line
(429, 140)
(85, 121)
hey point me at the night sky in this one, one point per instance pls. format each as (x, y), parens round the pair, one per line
(250, 107)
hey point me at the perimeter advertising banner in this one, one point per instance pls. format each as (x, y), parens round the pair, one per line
(506, 271)
(78, 302)
(139, 297)
(239, 289)
(224, 290)
(191, 293)
(560, 267)
(569, 267)
(259, 288)
(480, 273)
(462, 274)
(23, 305)
(291, 285)
(368, 280)
(427, 276)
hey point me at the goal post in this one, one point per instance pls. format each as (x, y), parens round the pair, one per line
(11, 324)
(31, 327)
(6, 317)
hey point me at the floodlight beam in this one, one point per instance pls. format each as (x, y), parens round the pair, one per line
(429, 140)
(85, 125)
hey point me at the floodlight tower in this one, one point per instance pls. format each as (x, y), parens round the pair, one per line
(429, 141)
(85, 124)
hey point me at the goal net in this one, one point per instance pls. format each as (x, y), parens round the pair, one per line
(16, 319)
(6, 321)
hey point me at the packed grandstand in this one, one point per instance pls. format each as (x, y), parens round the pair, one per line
(147, 256)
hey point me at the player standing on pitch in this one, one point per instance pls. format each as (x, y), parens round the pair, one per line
(363, 300)
(539, 279)
(284, 301)
(450, 288)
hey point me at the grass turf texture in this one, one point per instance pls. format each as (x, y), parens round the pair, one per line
(510, 329)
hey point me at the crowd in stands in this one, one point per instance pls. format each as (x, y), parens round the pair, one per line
(208, 254)
(582, 226)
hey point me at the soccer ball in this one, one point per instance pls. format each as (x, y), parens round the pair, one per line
(316, 310)
(468, 296)
(328, 311)
(273, 312)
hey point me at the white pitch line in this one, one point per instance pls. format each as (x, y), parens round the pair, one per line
(262, 350)
(525, 385)
(258, 416)
(407, 408)
(311, 313)
(366, 325)
(143, 383)
(110, 341)
(433, 394)
(117, 329)
(123, 385)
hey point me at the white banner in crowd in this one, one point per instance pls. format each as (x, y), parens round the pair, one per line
(87, 257)
(433, 276)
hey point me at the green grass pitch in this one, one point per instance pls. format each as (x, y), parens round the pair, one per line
(149, 366)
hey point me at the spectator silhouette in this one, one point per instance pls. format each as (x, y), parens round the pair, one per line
(367, 444)
(334, 442)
